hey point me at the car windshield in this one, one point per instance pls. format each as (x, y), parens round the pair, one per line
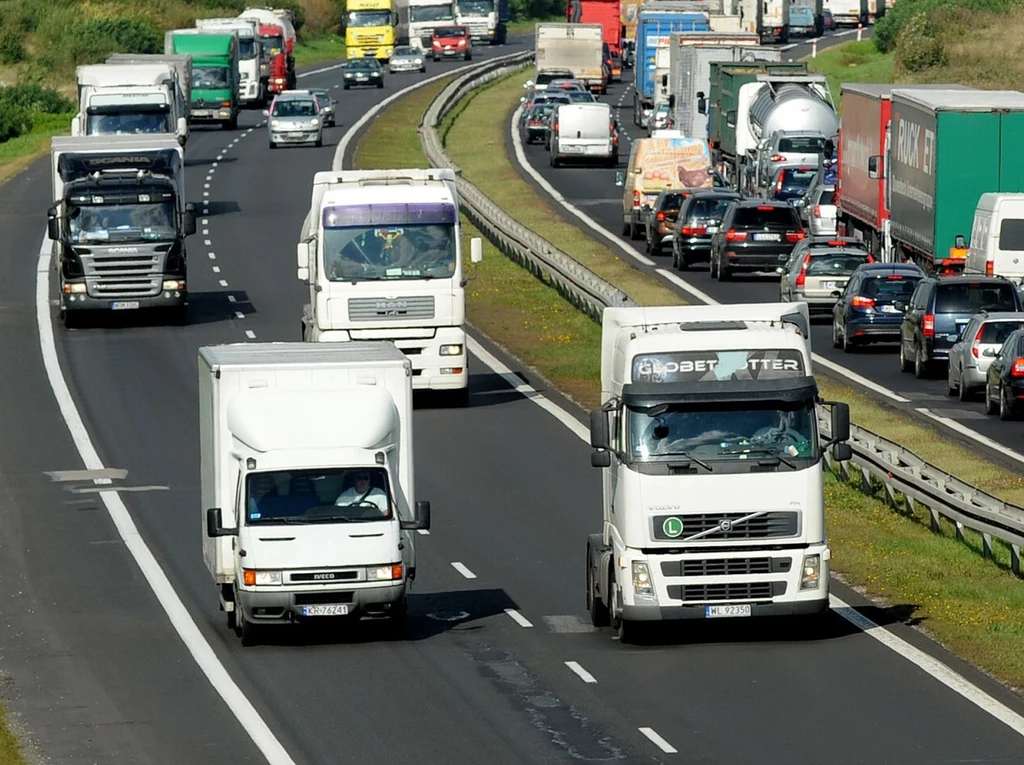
(796, 179)
(974, 297)
(835, 263)
(365, 65)
(294, 108)
(431, 13)
(405, 50)
(129, 123)
(121, 223)
(410, 251)
(579, 97)
(893, 286)
(358, 19)
(723, 432)
(210, 77)
(333, 495)
(996, 332)
(449, 32)
(774, 217)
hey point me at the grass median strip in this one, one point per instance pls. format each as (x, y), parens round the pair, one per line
(328, 48)
(18, 153)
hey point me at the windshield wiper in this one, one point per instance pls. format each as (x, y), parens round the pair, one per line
(688, 459)
(771, 451)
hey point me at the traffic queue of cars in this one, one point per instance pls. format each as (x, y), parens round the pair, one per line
(568, 119)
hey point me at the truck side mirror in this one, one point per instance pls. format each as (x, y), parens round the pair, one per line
(842, 452)
(671, 102)
(302, 254)
(422, 519)
(476, 249)
(730, 119)
(182, 131)
(620, 177)
(52, 224)
(959, 242)
(664, 80)
(702, 103)
(599, 429)
(840, 422)
(188, 219)
(303, 274)
(874, 167)
(214, 525)
(601, 459)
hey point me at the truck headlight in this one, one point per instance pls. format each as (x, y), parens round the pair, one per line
(642, 584)
(174, 284)
(451, 350)
(74, 289)
(384, 573)
(261, 578)
(811, 572)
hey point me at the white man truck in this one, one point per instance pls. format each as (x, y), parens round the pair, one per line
(487, 19)
(118, 225)
(381, 251)
(253, 75)
(307, 481)
(708, 442)
(128, 99)
(425, 16)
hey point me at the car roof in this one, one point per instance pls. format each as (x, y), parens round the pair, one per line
(993, 280)
(1001, 315)
(748, 202)
(909, 268)
(294, 95)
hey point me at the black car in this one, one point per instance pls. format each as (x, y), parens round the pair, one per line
(536, 122)
(940, 308)
(1004, 381)
(752, 236)
(871, 308)
(696, 223)
(661, 218)
(365, 72)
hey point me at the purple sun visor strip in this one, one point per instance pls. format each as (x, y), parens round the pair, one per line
(389, 215)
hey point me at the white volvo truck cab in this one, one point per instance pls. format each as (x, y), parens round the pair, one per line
(307, 482)
(708, 444)
(381, 251)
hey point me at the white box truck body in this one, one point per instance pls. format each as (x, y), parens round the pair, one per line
(182, 68)
(307, 466)
(712, 480)
(576, 47)
(129, 99)
(382, 253)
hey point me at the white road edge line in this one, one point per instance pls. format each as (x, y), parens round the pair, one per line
(180, 619)
(915, 656)
(518, 618)
(702, 296)
(659, 742)
(463, 570)
(582, 673)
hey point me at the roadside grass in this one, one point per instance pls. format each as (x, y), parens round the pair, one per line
(10, 749)
(18, 153)
(973, 607)
(852, 62)
(326, 48)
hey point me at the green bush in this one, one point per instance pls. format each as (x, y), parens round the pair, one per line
(92, 40)
(522, 10)
(12, 48)
(23, 106)
(918, 46)
(887, 29)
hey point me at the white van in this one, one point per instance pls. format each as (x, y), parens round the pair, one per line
(997, 237)
(584, 131)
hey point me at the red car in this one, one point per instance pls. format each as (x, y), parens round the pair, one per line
(451, 41)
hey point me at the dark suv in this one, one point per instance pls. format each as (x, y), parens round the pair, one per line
(752, 236)
(939, 310)
(696, 223)
(871, 308)
(661, 219)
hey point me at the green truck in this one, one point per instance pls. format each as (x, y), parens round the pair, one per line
(945, 148)
(214, 73)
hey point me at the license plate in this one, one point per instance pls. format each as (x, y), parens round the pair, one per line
(124, 305)
(828, 285)
(202, 113)
(890, 309)
(767, 237)
(712, 229)
(332, 610)
(573, 149)
(712, 612)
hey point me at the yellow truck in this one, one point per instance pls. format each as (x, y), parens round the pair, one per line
(374, 27)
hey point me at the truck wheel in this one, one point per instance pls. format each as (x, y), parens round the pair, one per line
(232, 620)
(70, 320)
(460, 397)
(231, 124)
(596, 607)
(179, 316)
(246, 630)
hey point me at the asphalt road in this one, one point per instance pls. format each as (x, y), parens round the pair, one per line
(593, 191)
(93, 668)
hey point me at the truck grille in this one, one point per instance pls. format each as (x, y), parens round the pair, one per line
(725, 566)
(121, 275)
(783, 523)
(699, 593)
(374, 309)
(478, 28)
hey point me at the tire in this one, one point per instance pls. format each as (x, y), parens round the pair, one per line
(989, 408)
(920, 365)
(231, 124)
(460, 398)
(905, 365)
(1006, 413)
(437, 58)
(723, 274)
(380, 85)
(836, 342)
(625, 229)
(951, 390)
(318, 143)
(232, 620)
(634, 232)
(848, 346)
(247, 632)
(469, 57)
(595, 606)
(70, 319)
(346, 86)
(963, 392)
(178, 316)
(273, 145)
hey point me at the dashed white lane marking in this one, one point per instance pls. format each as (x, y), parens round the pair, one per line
(518, 618)
(424, 532)
(213, 256)
(215, 164)
(216, 269)
(463, 570)
(582, 673)
(659, 742)
(206, 232)
(206, 193)
(250, 334)
(223, 282)
(207, 242)
(232, 299)
(206, 221)
(239, 315)
(220, 157)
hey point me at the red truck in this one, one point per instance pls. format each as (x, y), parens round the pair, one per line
(607, 13)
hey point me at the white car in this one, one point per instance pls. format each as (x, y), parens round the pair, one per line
(818, 211)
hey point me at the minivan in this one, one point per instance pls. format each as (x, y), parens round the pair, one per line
(997, 237)
(584, 132)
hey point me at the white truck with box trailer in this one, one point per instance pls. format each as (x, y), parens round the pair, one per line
(707, 439)
(575, 47)
(182, 68)
(253, 75)
(307, 483)
(427, 15)
(382, 253)
(128, 99)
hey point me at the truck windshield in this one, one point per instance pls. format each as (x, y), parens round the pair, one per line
(129, 123)
(369, 19)
(273, 44)
(335, 495)
(209, 77)
(431, 13)
(246, 48)
(480, 7)
(723, 432)
(368, 253)
(121, 222)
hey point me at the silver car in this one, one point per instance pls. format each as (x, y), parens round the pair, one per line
(407, 59)
(818, 211)
(294, 117)
(816, 274)
(979, 343)
(787, 147)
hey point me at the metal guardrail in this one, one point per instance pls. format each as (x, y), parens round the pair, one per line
(587, 291)
(905, 478)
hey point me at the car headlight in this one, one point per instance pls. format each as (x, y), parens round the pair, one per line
(419, 62)
(348, 75)
(261, 578)
(451, 350)
(811, 572)
(384, 573)
(314, 122)
(275, 124)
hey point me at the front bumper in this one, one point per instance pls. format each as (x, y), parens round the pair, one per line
(272, 605)
(365, 82)
(86, 302)
(869, 330)
(376, 51)
(451, 52)
(295, 136)
(249, 90)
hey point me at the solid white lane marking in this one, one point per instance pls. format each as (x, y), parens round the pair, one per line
(250, 334)
(239, 315)
(659, 742)
(583, 674)
(223, 282)
(320, 71)
(518, 618)
(463, 570)
(213, 169)
(973, 435)
(180, 619)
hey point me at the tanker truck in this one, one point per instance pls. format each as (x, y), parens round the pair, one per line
(751, 100)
